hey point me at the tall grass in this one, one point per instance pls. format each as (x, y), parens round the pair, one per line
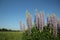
(10, 35)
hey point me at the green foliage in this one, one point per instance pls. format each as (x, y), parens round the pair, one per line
(37, 35)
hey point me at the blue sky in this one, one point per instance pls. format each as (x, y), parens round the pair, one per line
(12, 11)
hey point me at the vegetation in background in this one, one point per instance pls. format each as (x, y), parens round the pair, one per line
(4, 29)
(8, 35)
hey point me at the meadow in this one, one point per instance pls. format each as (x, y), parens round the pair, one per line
(7, 35)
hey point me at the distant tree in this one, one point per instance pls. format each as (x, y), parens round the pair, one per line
(4, 29)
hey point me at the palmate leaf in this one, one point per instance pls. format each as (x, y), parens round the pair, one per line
(37, 35)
